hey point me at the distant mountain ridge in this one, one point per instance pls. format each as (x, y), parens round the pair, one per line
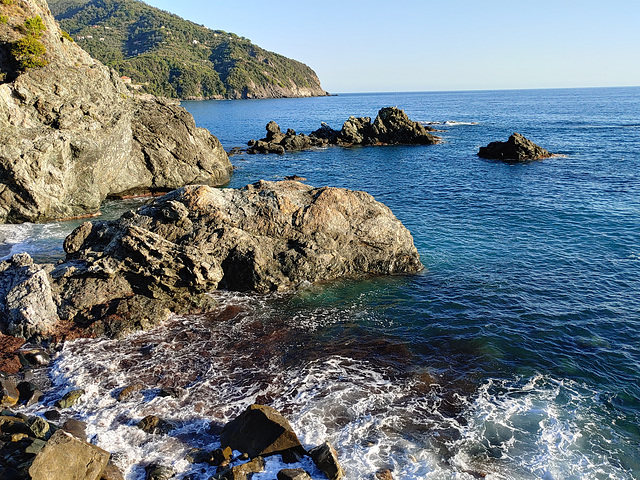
(177, 58)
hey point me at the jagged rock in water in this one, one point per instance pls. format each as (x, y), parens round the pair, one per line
(71, 134)
(516, 148)
(260, 431)
(326, 459)
(392, 126)
(278, 142)
(130, 273)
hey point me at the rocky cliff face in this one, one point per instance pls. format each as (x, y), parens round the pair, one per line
(71, 134)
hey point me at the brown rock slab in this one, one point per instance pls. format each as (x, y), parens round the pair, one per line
(293, 474)
(260, 431)
(64, 457)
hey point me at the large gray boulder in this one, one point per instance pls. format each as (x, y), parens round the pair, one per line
(71, 134)
(132, 272)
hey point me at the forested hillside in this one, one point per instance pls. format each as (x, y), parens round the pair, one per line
(177, 58)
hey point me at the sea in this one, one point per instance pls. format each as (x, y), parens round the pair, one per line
(515, 354)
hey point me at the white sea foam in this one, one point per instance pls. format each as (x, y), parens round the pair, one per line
(507, 429)
(449, 123)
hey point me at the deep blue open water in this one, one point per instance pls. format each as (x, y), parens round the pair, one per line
(515, 354)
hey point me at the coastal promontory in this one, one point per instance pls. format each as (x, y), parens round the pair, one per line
(71, 133)
(164, 54)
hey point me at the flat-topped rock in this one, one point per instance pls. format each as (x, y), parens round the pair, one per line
(516, 148)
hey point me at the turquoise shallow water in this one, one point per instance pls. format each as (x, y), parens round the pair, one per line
(515, 354)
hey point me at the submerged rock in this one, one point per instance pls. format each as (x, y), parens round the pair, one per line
(516, 148)
(72, 134)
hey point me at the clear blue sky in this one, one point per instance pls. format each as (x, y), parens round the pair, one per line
(375, 46)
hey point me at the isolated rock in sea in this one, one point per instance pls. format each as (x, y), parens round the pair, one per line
(278, 142)
(130, 273)
(72, 134)
(260, 431)
(65, 457)
(392, 126)
(516, 148)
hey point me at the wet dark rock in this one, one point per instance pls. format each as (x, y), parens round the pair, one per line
(52, 415)
(69, 399)
(243, 471)
(129, 391)
(293, 474)
(260, 431)
(66, 457)
(220, 456)
(295, 178)
(173, 392)
(516, 148)
(9, 394)
(326, 459)
(11, 424)
(197, 455)
(383, 474)
(159, 472)
(154, 425)
(291, 456)
(29, 393)
(77, 428)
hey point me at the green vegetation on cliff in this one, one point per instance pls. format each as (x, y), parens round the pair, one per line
(177, 58)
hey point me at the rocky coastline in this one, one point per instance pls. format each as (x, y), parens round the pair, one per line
(132, 273)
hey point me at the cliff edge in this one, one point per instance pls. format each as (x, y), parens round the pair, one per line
(71, 134)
